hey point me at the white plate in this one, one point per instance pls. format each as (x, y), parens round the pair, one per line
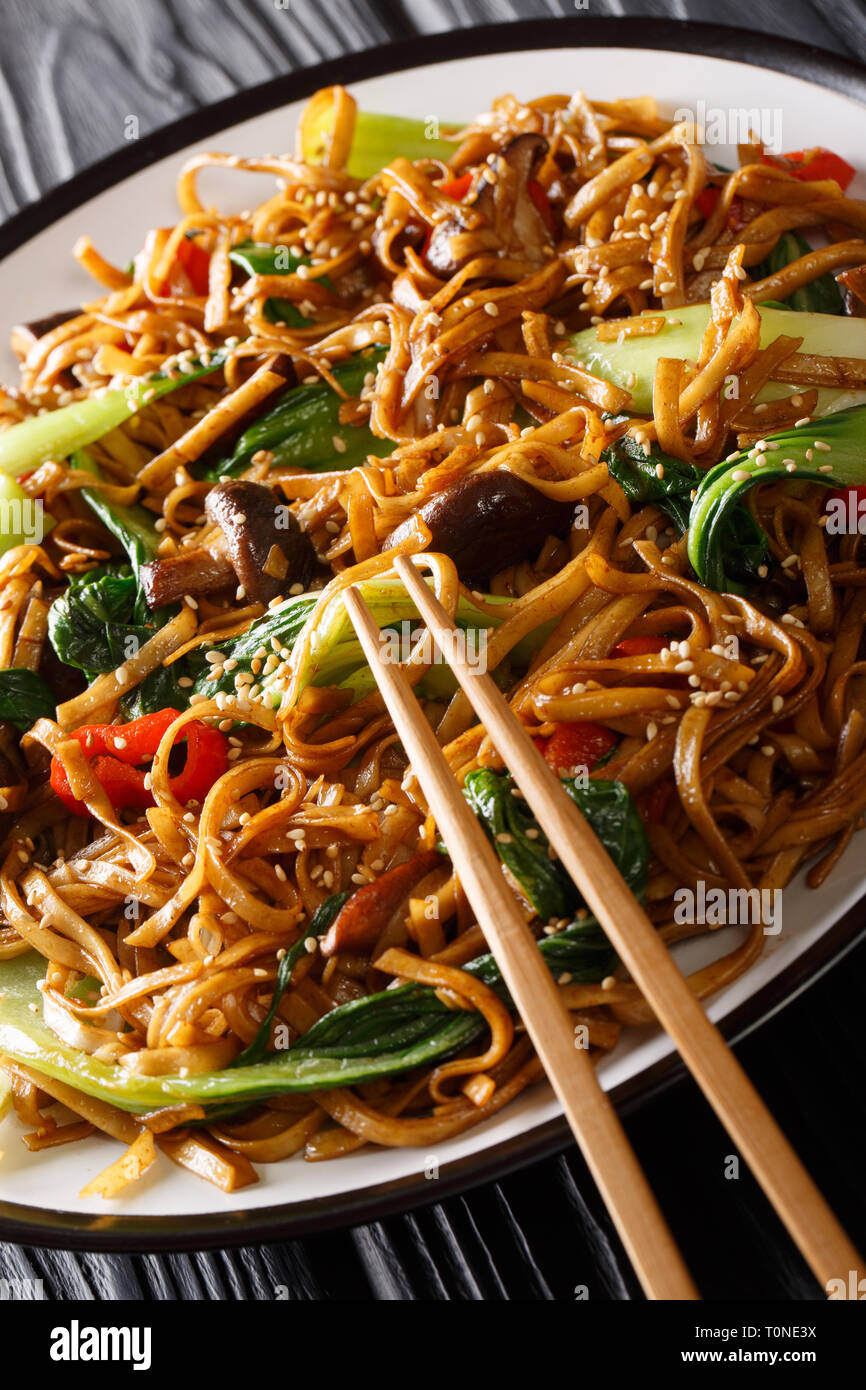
(41, 277)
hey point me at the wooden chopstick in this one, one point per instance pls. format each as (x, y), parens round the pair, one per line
(797, 1200)
(595, 1124)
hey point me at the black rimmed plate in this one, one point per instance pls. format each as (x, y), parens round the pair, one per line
(803, 96)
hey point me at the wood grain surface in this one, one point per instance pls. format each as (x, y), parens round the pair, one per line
(71, 72)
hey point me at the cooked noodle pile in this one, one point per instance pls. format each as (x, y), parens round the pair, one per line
(738, 722)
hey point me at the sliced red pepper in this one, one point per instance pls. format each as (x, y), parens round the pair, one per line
(543, 206)
(811, 166)
(578, 744)
(706, 204)
(857, 490)
(206, 760)
(457, 188)
(854, 498)
(639, 646)
(706, 201)
(114, 750)
(656, 801)
(193, 263)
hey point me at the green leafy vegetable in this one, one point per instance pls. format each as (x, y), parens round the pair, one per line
(301, 428)
(317, 926)
(133, 526)
(380, 138)
(635, 471)
(607, 806)
(58, 433)
(101, 620)
(822, 296)
(721, 493)
(260, 258)
(23, 519)
(631, 364)
(338, 658)
(25, 696)
(741, 538)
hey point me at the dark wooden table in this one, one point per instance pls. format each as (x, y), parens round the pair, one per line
(71, 72)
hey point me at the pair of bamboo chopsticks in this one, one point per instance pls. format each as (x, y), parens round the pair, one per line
(616, 1171)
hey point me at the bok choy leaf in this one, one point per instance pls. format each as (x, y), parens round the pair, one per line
(133, 526)
(58, 433)
(837, 444)
(378, 139)
(25, 696)
(301, 429)
(261, 258)
(821, 296)
(631, 364)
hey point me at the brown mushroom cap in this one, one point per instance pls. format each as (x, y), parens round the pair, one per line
(259, 544)
(488, 521)
(265, 542)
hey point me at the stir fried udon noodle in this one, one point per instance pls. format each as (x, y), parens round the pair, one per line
(611, 394)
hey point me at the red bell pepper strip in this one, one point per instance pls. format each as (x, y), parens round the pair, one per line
(543, 206)
(656, 801)
(578, 744)
(854, 499)
(706, 201)
(811, 166)
(114, 750)
(639, 646)
(456, 188)
(193, 264)
(706, 204)
(452, 188)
